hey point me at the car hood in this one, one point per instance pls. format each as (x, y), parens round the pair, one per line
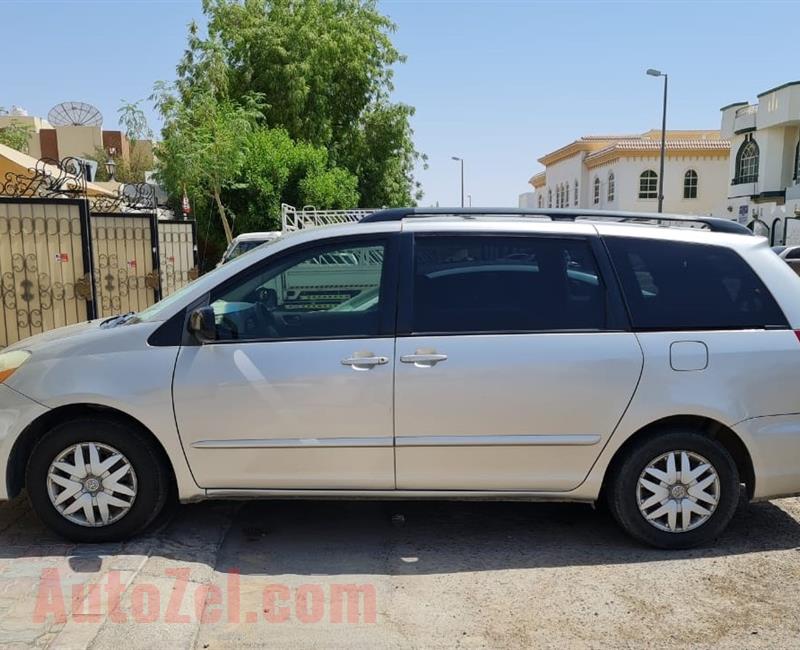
(59, 334)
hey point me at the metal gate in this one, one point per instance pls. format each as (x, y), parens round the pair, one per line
(44, 265)
(125, 259)
(177, 253)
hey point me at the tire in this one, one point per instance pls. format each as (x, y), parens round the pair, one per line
(148, 479)
(625, 493)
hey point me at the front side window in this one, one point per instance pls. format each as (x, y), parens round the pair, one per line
(648, 185)
(596, 195)
(330, 291)
(747, 161)
(480, 284)
(690, 184)
(611, 186)
(679, 286)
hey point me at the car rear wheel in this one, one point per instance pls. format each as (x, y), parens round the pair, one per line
(677, 489)
(97, 479)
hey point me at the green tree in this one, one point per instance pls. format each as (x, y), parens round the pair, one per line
(324, 70)
(16, 134)
(204, 146)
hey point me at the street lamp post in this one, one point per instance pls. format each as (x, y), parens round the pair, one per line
(461, 160)
(658, 73)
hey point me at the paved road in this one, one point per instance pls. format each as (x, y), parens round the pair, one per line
(470, 575)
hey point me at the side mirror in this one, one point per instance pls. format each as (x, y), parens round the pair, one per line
(203, 325)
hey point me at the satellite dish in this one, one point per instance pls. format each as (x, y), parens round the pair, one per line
(74, 114)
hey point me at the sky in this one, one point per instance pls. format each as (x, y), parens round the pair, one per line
(498, 83)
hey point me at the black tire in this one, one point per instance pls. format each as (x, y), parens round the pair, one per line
(154, 478)
(622, 488)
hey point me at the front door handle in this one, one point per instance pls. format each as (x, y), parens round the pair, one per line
(423, 359)
(364, 363)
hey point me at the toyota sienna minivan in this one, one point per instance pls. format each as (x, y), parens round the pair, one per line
(651, 362)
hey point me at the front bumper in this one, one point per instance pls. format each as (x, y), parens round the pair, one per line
(16, 413)
(774, 445)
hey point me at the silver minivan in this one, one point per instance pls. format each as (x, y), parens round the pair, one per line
(645, 360)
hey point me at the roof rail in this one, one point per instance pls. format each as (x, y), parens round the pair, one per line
(714, 224)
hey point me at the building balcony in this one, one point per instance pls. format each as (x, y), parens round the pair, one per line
(745, 118)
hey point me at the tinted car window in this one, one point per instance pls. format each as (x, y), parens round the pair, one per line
(505, 284)
(678, 286)
(298, 297)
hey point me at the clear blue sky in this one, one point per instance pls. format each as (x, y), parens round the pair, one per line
(497, 82)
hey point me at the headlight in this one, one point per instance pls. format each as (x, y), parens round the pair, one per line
(10, 361)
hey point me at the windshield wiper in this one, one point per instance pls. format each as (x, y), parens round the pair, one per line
(118, 320)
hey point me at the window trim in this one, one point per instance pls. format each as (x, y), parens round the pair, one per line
(738, 178)
(389, 287)
(691, 174)
(617, 319)
(648, 178)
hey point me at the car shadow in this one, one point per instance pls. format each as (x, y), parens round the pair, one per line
(388, 537)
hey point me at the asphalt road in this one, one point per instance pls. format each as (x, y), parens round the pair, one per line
(357, 575)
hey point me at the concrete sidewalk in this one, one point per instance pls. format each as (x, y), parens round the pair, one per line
(344, 574)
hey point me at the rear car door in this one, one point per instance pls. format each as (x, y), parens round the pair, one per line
(515, 362)
(296, 393)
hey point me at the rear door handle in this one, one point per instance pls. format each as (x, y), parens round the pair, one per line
(423, 359)
(364, 363)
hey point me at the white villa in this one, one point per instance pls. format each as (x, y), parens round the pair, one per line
(621, 173)
(764, 175)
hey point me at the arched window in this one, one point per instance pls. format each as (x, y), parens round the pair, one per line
(690, 184)
(566, 194)
(541, 201)
(797, 162)
(648, 185)
(596, 195)
(576, 194)
(560, 196)
(611, 186)
(549, 198)
(747, 161)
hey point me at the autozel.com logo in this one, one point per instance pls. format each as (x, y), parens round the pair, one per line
(188, 602)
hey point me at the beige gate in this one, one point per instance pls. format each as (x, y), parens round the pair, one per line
(44, 266)
(177, 252)
(124, 259)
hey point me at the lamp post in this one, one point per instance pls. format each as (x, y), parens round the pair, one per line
(658, 73)
(461, 160)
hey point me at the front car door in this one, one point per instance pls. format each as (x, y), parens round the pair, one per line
(514, 363)
(296, 393)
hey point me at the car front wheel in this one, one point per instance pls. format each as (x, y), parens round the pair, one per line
(96, 479)
(677, 489)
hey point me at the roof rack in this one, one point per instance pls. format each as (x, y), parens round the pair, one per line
(714, 224)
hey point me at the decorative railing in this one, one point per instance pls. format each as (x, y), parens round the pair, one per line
(66, 178)
(752, 109)
(309, 217)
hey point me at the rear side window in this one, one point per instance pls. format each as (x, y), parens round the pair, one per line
(481, 284)
(679, 286)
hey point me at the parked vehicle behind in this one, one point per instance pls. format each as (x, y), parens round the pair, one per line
(790, 255)
(246, 242)
(504, 354)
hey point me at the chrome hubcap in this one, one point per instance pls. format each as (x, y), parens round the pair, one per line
(678, 491)
(91, 484)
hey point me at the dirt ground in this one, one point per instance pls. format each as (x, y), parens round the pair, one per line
(408, 574)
